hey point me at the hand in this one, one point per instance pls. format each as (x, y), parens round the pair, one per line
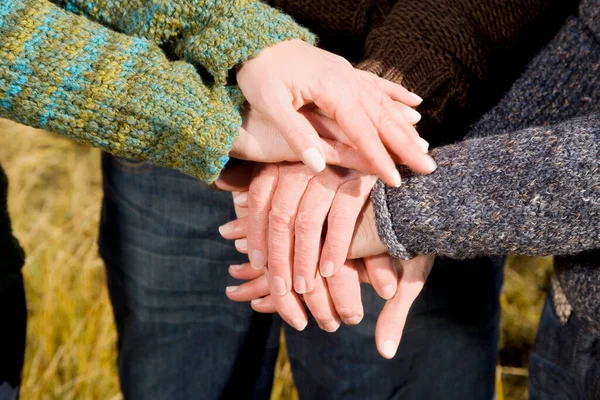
(259, 140)
(366, 241)
(334, 298)
(288, 207)
(411, 278)
(371, 111)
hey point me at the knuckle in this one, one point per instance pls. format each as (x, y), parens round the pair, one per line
(258, 199)
(307, 223)
(336, 245)
(348, 312)
(342, 216)
(281, 219)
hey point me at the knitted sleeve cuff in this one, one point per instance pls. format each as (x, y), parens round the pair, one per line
(240, 35)
(384, 223)
(421, 71)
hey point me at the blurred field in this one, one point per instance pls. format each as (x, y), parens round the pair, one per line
(54, 201)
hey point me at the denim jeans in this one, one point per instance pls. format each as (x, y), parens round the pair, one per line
(181, 338)
(565, 362)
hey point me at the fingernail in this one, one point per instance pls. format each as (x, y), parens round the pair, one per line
(413, 116)
(431, 165)
(240, 199)
(230, 289)
(423, 144)
(241, 244)
(387, 292)
(257, 259)
(397, 179)
(236, 267)
(389, 348)
(417, 97)
(299, 323)
(300, 284)
(279, 287)
(226, 228)
(327, 269)
(256, 301)
(331, 326)
(354, 320)
(314, 159)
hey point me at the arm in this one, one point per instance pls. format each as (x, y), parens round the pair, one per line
(502, 193)
(533, 192)
(460, 56)
(68, 75)
(217, 35)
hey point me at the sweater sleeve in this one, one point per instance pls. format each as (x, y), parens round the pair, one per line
(460, 56)
(215, 35)
(68, 75)
(510, 188)
(532, 192)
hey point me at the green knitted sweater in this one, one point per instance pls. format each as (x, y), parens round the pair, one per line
(112, 83)
(69, 75)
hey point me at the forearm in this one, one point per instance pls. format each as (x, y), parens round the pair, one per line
(460, 56)
(217, 35)
(68, 75)
(534, 192)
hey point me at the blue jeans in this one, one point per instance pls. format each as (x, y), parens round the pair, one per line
(565, 362)
(181, 338)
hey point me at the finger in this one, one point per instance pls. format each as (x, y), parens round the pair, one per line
(300, 135)
(341, 222)
(289, 307)
(236, 229)
(395, 91)
(254, 289)
(382, 275)
(391, 321)
(397, 135)
(240, 199)
(348, 111)
(236, 177)
(310, 220)
(321, 306)
(260, 194)
(409, 115)
(241, 245)
(293, 180)
(245, 272)
(344, 289)
(264, 305)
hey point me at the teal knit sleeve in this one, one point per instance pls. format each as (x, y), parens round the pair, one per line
(66, 74)
(215, 34)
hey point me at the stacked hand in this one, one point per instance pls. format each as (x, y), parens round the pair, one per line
(374, 116)
(300, 221)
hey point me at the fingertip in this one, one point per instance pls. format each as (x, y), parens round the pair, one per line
(387, 292)
(388, 349)
(397, 180)
(314, 159)
(417, 98)
(327, 269)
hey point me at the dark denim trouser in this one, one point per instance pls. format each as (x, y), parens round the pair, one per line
(565, 362)
(181, 338)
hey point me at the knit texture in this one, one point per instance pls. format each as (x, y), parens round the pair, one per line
(526, 190)
(216, 35)
(461, 56)
(68, 75)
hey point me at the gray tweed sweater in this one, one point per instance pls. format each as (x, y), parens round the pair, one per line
(526, 179)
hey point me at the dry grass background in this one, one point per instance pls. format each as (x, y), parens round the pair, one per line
(54, 200)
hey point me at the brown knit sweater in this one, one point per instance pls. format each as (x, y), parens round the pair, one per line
(459, 55)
